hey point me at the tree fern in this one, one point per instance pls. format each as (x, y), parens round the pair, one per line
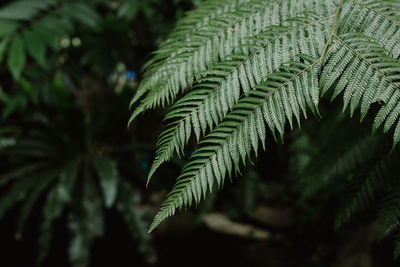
(233, 67)
(376, 183)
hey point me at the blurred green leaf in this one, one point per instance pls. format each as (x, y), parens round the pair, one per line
(17, 58)
(85, 222)
(61, 193)
(36, 47)
(7, 27)
(21, 10)
(43, 180)
(108, 174)
(3, 48)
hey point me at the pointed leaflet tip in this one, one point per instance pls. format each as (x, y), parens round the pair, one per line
(392, 149)
(136, 113)
(153, 168)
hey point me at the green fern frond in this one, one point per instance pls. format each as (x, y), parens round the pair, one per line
(364, 72)
(389, 213)
(341, 164)
(207, 17)
(194, 20)
(216, 42)
(232, 141)
(229, 65)
(365, 189)
(219, 90)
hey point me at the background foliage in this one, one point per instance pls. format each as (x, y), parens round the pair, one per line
(73, 176)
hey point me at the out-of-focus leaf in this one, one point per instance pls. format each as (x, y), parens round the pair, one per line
(44, 241)
(83, 14)
(42, 182)
(3, 47)
(128, 205)
(128, 9)
(15, 194)
(7, 27)
(108, 174)
(21, 10)
(17, 57)
(57, 198)
(61, 193)
(85, 222)
(36, 47)
(48, 36)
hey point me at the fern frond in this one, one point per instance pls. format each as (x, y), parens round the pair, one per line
(217, 41)
(215, 94)
(389, 213)
(230, 65)
(365, 189)
(362, 70)
(231, 142)
(341, 164)
(194, 20)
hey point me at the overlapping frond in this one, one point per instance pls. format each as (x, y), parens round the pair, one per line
(214, 94)
(185, 28)
(378, 182)
(269, 105)
(217, 41)
(341, 164)
(364, 192)
(232, 64)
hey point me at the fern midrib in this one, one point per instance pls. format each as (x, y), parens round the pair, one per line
(173, 203)
(248, 58)
(376, 11)
(366, 60)
(332, 32)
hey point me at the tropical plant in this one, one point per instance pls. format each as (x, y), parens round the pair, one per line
(246, 66)
(64, 159)
(78, 171)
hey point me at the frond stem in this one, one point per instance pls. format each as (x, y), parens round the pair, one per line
(332, 33)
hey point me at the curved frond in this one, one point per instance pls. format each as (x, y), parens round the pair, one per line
(219, 90)
(215, 42)
(241, 132)
(230, 69)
